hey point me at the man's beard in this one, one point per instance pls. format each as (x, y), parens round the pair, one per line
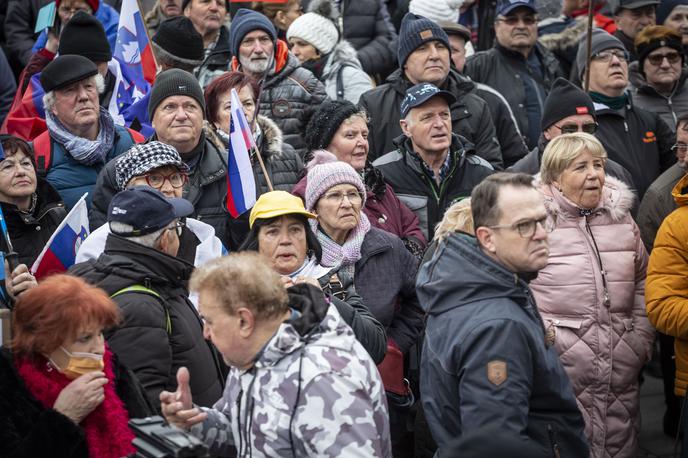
(259, 67)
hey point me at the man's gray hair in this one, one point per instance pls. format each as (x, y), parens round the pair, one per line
(148, 240)
(49, 97)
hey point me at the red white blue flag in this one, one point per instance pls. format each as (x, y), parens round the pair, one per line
(241, 184)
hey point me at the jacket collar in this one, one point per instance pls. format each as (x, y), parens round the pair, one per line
(48, 200)
(456, 83)
(457, 151)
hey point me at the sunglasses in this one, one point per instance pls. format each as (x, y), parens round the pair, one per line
(657, 59)
(514, 20)
(588, 128)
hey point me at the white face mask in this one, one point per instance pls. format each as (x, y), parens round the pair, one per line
(80, 363)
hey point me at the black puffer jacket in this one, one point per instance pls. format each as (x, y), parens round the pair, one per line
(146, 342)
(470, 116)
(30, 232)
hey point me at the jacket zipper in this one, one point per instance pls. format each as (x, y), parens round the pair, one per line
(553, 442)
(599, 262)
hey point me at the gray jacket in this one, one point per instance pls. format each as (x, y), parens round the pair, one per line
(669, 108)
(355, 80)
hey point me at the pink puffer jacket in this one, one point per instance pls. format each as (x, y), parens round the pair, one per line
(602, 343)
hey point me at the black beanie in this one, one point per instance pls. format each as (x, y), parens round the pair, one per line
(245, 21)
(178, 37)
(84, 35)
(565, 100)
(325, 122)
(416, 30)
(65, 70)
(174, 82)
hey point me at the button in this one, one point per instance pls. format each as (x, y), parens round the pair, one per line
(520, 105)
(517, 75)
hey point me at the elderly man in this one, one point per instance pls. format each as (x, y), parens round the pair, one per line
(635, 138)
(289, 93)
(81, 136)
(486, 362)
(423, 55)
(161, 330)
(517, 66)
(208, 17)
(177, 110)
(160, 12)
(433, 167)
(632, 16)
(299, 380)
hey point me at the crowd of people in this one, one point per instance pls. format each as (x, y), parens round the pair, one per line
(469, 234)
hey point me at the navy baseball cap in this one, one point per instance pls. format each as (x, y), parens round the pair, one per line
(146, 209)
(421, 93)
(505, 7)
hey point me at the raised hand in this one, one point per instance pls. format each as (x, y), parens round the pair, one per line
(81, 396)
(178, 407)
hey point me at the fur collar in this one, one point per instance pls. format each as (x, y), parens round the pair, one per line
(567, 38)
(270, 144)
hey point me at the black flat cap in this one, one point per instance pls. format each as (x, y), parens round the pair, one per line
(65, 70)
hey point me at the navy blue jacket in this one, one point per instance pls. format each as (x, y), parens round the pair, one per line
(482, 322)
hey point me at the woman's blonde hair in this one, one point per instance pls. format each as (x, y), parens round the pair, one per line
(458, 217)
(563, 150)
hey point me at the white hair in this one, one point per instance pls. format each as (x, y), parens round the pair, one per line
(148, 240)
(49, 97)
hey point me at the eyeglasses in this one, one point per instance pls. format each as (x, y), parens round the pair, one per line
(178, 227)
(606, 56)
(680, 147)
(588, 128)
(657, 59)
(355, 197)
(157, 180)
(514, 20)
(526, 229)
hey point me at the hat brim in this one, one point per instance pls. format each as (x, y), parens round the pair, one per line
(513, 6)
(446, 95)
(637, 4)
(182, 207)
(273, 213)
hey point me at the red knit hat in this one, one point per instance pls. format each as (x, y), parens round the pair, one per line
(94, 4)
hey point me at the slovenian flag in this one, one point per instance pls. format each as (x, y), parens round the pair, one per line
(241, 184)
(59, 253)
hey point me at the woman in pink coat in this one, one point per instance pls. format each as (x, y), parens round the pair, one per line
(591, 294)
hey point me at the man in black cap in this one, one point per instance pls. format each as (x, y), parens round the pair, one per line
(433, 167)
(81, 135)
(517, 66)
(632, 16)
(424, 57)
(161, 330)
(208, 17)
(177, 44)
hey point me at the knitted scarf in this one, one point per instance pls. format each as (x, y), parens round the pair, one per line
(83, 150)
(106, 429)
(615, 103)
(344, 256)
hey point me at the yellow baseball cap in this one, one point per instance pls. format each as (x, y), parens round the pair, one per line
(277, 203)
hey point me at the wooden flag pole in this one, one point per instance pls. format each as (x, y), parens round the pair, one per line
(586, 85)
(262, 167)
(150, 40)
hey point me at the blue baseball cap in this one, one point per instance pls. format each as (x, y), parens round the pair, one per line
(146, 209)
(505, 7)
(421, 93)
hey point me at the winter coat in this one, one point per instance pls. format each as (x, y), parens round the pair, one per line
(8, 86)
(602, 336)
(657, 204)
(502, 69)
(648, 98)
(470, 116)
(289, 95)
(217, 61)
(29, 430)
(666, 289)
(29, 233)
(312, 391)
(638, 140)
(405, 172)
(485, 363)
(343, 65)
(157, 336)
(72, 179)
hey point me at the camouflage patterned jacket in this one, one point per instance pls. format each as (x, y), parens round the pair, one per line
(313, 391)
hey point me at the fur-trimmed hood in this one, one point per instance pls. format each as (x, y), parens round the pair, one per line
(270, 142)
(567, 38)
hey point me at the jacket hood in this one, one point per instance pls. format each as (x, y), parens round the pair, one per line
(680, 191)
(442, 286)
(342, 54)
(567, 38)
(639, 82)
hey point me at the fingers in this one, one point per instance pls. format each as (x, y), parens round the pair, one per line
(183, 378)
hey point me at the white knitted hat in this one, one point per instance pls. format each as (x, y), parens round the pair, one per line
(316, 30)
(436, 10)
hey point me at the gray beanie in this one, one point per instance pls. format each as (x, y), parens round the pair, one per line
(601, 41)
(174, 82)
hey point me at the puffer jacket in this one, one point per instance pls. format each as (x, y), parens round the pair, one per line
(591, 299)
(667, 282)
(312, 391)
(343, 65)
(669, 108)
(289, 95)
(470, 116)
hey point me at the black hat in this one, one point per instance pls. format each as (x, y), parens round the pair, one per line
(564, 100)
(416, 30)
(178, 37)
(616, 5)
(421, 93)
(325, 122)
(174, 82)
(505, 7)
(146, 209)
(245, 21)
(65, 70)
(84, 35)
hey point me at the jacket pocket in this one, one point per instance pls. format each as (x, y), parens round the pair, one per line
(635, 341)
(419, 206)
(563, 332)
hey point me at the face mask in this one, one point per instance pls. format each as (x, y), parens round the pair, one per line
(80, 363)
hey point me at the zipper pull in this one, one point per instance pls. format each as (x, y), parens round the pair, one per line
(626, 125)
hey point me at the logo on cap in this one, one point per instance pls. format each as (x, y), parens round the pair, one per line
(118, 211)
(425, 34)
(581, 110)
(182, 87)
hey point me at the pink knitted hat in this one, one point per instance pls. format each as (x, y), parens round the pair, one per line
(325, 172)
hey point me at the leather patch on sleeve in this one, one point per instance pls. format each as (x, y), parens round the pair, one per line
(497, 372)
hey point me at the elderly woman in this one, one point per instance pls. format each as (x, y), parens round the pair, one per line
(63, 392)
(674, 14)
(342, 129)
(659, 75)
(281, 234)
(591, 293)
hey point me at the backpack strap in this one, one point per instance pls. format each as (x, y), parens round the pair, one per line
(340, 81)
(143, 290)
(42, 150)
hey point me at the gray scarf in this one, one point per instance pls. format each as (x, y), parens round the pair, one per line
(83, 150)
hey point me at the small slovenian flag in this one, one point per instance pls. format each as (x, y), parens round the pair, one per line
(241, 183)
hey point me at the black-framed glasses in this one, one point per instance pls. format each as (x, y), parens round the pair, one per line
(526, 229)
(178, 227)
(157, 180)
(657, 59)
(571, 128)
(606, 56)
(514, 20)
(355, 197)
